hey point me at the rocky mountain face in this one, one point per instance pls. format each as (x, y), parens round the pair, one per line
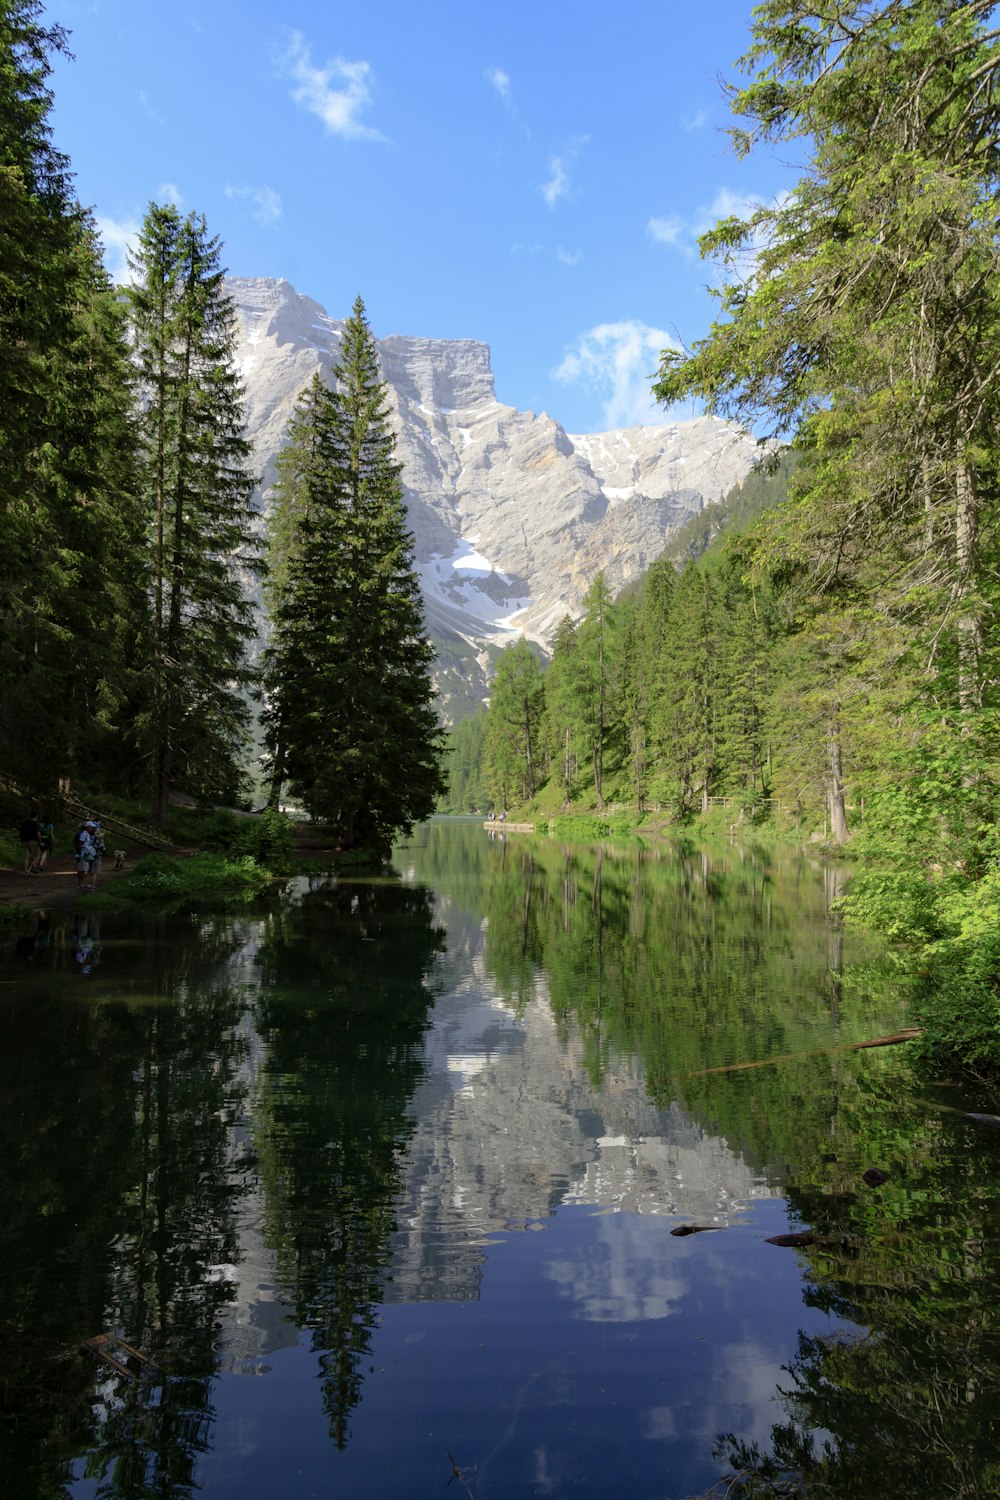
(512, 517)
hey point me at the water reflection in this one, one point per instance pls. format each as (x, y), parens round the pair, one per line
(409, 1151)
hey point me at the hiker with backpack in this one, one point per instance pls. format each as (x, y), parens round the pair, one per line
(46, 839)
(30, 835)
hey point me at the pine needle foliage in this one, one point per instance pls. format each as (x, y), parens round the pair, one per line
(350, 700)
(197, 487)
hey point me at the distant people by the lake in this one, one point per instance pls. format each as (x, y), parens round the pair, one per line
(30, 836)
(86, 856)
(46, 839)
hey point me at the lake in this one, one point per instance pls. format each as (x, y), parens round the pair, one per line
(380, 1177)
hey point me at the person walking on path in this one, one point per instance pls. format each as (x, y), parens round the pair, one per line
(46, 840)
(86, 854)
(30, 836)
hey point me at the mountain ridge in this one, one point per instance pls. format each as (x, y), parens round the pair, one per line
(512, 517)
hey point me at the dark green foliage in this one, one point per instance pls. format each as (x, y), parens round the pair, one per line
(196, 487)
(166, 882)
(71, 565)
(350, 710)
(466, 782)
(513, 741)
(266, 838)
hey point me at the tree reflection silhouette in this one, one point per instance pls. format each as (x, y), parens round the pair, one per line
(343, 1008)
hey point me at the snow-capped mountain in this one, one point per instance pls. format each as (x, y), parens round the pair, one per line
(512, 517)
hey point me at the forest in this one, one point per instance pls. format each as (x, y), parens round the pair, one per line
(820, 653)
(132, 554)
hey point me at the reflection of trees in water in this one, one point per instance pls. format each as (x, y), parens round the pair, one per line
(910, 1396)
(631, 947)
(343, 1009)
(118, 1194)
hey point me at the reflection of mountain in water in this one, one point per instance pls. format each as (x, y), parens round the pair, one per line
(510, 1126)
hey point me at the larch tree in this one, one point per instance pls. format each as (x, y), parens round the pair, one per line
(197, 488)
(348, 671)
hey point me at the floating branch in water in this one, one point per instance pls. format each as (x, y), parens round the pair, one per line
(906, 1035)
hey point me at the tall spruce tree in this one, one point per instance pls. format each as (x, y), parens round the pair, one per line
(349, 693)
(197, 487)
(71, 568)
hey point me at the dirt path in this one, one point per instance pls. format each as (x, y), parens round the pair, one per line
(54, 886)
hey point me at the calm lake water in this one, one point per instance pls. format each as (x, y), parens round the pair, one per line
(382, 1176)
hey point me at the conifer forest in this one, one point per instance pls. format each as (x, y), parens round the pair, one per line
(817, 654)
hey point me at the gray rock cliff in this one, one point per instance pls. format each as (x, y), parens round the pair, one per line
(512, 517)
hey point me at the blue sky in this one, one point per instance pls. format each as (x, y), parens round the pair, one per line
(533, 175)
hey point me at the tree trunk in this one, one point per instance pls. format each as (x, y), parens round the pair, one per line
(838, 811)
(969, 640)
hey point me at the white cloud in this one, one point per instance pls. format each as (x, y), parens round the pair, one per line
(559, 184)
(696, 121)
(499, 81)
(569, 257)
(620, 359)
(169, 192)
(265, 203)
(337, 94)
(118, 237)
(669, 231)
(684, 234)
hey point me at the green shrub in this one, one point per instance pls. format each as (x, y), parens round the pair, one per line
(541, 825)
(267, 839)
(580, 826)
(902, 907)
(162, 878)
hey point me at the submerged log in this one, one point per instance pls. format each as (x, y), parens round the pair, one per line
(683, 1229)
(906, 1035)
(111, 1349)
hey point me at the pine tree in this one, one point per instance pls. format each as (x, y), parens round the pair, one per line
(517, 701)
(197, 488)
(350, 696)
(71, 568)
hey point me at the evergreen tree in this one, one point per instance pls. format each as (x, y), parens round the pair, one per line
(197, 489)
(517, 702)
(561, 725)
(596, 678)
(71, 568)
(869, 324)
(348, 678)
(466, 776)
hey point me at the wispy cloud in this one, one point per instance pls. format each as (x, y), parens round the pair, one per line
(338, 94)
(696, 121)
(621, 360)
(148, 108)
(535, 247)
(559, 184)
(499, 82)
(169, 192)
(264, 203)
(118, 237)
(684, 234)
